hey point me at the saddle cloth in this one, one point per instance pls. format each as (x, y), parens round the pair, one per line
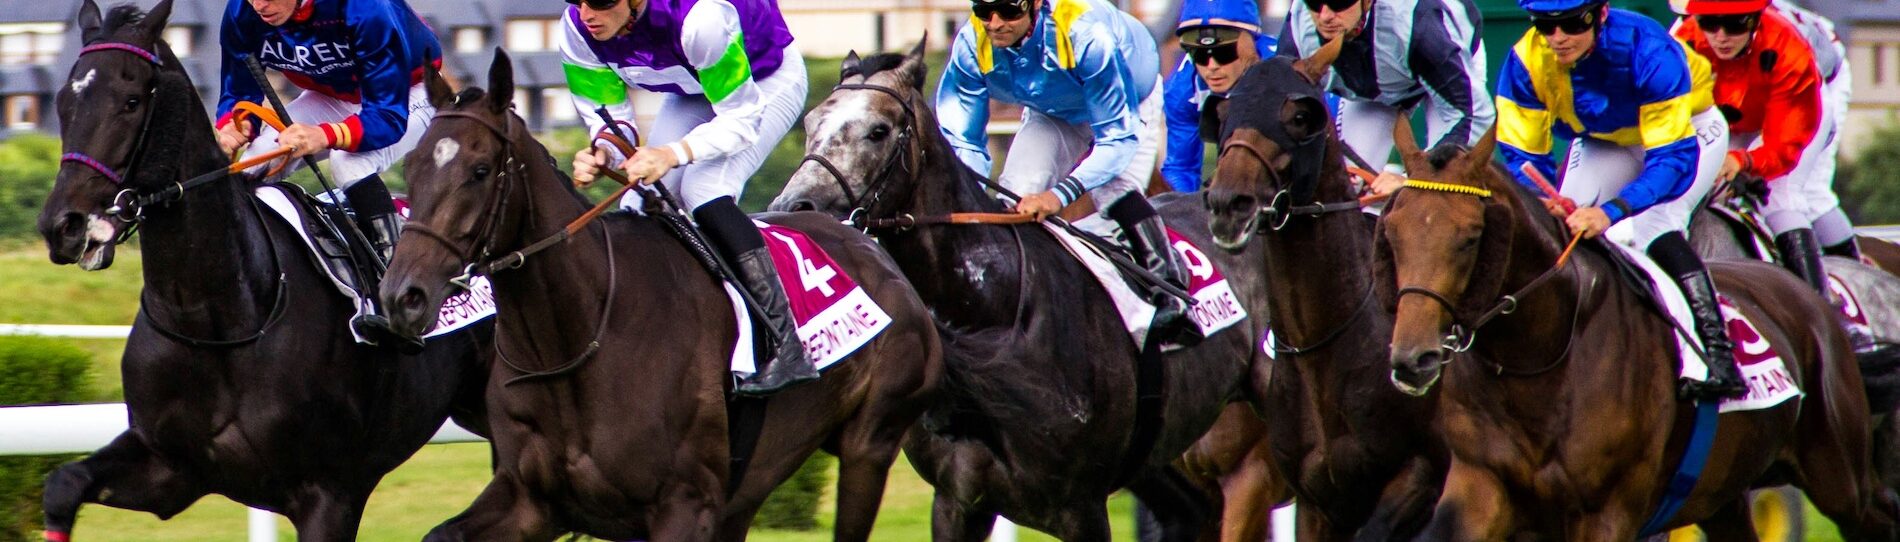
(1216, 306)
(290, 203)
(835, 316)
(1769, 381)
(1761, 244)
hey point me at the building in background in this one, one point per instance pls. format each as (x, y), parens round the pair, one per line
(1871, 29)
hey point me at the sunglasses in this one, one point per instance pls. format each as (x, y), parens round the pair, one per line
(597, 5)
(1572, 25)
(1732, 25)
(1009, 12)
(1337, 5)
(1221, 55)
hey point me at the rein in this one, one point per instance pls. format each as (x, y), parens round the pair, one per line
(1280, 210)
(1464, 332)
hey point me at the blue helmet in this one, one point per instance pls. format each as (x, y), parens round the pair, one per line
(1242, 14)
(1557, 8)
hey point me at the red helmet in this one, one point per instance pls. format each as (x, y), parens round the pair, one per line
(1725, 7)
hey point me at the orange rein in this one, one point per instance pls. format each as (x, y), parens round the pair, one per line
(1569, 206)
(244, 111)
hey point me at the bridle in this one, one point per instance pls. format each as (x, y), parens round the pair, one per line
(1280, 209)
(898, 158)
(479, 258)
(1464, 331)
(128, 205)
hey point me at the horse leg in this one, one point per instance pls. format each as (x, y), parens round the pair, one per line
(1731, 523)
(1178, 506)
(951, 521)
(1311, 523)
(865, 453)
(1089, 523)
(502, 512)
(1473, 506)
(687, 513)
(1406, 504)
(323, 515)
(1248, 497)
(123, 474)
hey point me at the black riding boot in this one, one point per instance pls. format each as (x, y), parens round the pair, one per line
(1149, 240)
(1845, 249)
(1672, 253)
(376, 217)
(744, 250)
(1801, 253)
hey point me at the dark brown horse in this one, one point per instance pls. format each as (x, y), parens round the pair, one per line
(610, 407)
(1562, 412)
(1039, 413)
(1362, 457)
(241, 375)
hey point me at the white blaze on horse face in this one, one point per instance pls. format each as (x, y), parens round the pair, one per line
(445, 150)
(850, 108)
(99, 233)
(80, 84)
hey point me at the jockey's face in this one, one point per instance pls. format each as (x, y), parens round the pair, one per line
(1728, 35)
(1221, 77)
(1333, 22)
(274, 12)
(1006, 32)
(1570, 48)
(605, 24)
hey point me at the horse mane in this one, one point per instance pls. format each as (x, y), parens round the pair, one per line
(935, 148)
(120, 16)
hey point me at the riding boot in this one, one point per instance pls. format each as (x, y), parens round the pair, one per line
(1673, 254)
(1148, 239)
(376, 217)
(744, 251)
(1845, 249)
(1801, 254)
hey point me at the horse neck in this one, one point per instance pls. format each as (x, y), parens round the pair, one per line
(1319, 268)
(551, 302)
(1542, 327)
(210, 248)
(941, 185)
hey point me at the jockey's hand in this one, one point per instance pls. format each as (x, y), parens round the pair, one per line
(1559, 207)
(1386, 183)
(1730, 167)
(1041, 205)
(587, 165)
(303, 140)
(232, 136)
(648, 164)
(1591, 221)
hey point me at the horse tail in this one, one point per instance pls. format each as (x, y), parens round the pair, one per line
(1880, 374)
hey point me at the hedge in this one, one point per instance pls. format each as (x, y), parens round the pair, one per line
(794, 505)
(34, 371)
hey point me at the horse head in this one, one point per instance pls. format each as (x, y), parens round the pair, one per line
(116, 82)
(1442, 252)
(462, 175)
(864, 143)
(1276, 146)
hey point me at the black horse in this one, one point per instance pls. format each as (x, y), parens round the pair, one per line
(609, 401)
(241, 375)
(1041, 413)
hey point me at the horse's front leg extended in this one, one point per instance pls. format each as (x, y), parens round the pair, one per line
(503, 511)
(123, 474)
(1474, 506)
(1407, 502)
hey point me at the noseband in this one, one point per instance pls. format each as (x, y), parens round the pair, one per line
(874, 189)
(1280, 209)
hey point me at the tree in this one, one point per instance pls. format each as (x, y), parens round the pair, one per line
(1869, 186)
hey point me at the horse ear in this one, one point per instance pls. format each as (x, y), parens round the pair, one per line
(913, 66)
(1314, 67)
(154, 22)
(1480, 156)
(1213, 112)
(88, 21)
(1409, 153)
(849, 67)
(501, 83)
(440, 95)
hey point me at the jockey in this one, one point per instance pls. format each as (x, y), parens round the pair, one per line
(1398, 54)
(1837, 84)
(1769, 87)
(733, 84)
(1222, 39)
(360, 64)
(1086, 75)
(1646, 143)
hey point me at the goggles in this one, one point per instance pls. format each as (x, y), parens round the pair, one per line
(597, 5)
(1220, 55)
(1733, 25)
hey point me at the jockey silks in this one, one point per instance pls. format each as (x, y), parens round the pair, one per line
(359, 51)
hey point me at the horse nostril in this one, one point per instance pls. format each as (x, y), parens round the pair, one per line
(412, 299)
(804, 205)
(72, 224)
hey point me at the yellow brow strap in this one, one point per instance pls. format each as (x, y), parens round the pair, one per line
(1447, 187)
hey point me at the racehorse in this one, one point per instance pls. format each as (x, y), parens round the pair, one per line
(241, 375)
(1560, 382)
(1362, 458)
(1040, 412)
(610, 406)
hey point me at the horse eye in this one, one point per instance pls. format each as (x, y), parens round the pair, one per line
(879, 132)
(131, 103)
(481, 171)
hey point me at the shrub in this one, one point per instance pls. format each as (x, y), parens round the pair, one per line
(33, 371)
(794, 505)
(28, 163)
(1869, 185)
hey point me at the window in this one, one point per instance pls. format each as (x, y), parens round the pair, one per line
(31, 43)
(23, 111)
(559, 104)
(1880, 63)
(470, 39)
(180, 38)
(525, 35)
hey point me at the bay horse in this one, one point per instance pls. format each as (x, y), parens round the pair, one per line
(1362, 458)
(1561, 411)
(241, 374)
(609, 407)
(1039, 413)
